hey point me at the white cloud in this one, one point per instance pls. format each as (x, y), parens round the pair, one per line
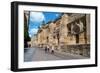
(57, 15)
(37, 17)
(32, 32)
(30, 35)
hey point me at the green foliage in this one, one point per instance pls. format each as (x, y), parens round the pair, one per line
(26, 34)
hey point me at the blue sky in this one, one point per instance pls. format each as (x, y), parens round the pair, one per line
(37, 18)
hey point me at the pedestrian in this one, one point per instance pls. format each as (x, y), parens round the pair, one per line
(45, 48)
(52, 50)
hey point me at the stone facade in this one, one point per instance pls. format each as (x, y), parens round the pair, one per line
(34, 41)
(70, 33)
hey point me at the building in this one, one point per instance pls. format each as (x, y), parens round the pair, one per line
(34, 41)
(43, 36)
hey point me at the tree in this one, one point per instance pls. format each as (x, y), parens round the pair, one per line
(26, 34)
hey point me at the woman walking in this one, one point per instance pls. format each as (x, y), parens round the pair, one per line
(52, 50)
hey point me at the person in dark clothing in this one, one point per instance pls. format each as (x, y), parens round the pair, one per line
(46, 49)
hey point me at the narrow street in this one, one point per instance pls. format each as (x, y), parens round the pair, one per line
(38, 54)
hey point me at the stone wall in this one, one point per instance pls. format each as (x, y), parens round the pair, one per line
(79, 49)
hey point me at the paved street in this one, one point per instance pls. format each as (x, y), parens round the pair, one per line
(32, 54)
(36, 54)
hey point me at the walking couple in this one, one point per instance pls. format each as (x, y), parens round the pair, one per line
(49, 49)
